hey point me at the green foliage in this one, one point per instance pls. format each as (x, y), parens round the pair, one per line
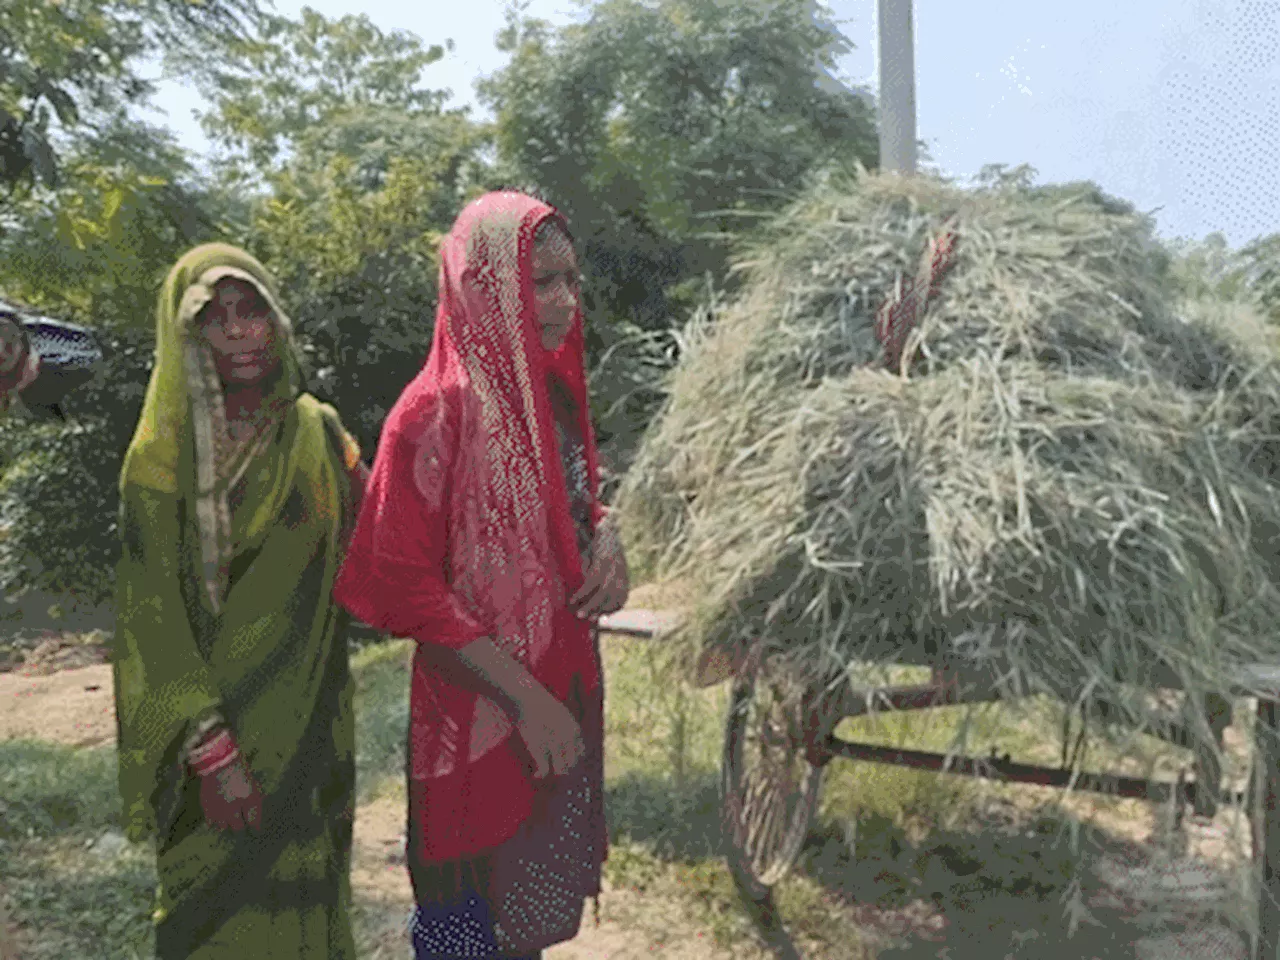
(375, 138)
(657, 127)
(90, 244)
(348, 224)
(49, 505)
(663, 129)
(1207, 269)
(1210, 270)
(1260, 270)
(358, 170)
(93, 249)
(65, 64)
(311, 88)
(359, 270)
(98, 246)
(382, 692)
(59, 497)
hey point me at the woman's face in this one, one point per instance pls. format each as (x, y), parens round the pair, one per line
(555, 286)
(19, 364)
(238, 325)
(12, 347)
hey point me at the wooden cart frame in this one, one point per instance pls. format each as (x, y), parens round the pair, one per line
(761, 850)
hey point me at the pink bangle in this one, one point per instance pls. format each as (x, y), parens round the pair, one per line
(216, 753)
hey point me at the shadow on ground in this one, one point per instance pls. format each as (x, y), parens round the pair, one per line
(1011, 888)
(677, 823)
(976, 895)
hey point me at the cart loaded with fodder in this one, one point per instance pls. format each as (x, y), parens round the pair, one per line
(971, 430)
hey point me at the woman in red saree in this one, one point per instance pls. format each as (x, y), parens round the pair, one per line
(482, 538)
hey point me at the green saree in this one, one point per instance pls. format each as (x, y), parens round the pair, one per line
(225, 616)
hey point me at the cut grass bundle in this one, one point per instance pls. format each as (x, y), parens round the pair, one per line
(1069, 485)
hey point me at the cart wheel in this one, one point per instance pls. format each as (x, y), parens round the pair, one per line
(1266, 829)
(769, 789)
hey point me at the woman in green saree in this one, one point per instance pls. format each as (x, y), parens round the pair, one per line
(233, 690)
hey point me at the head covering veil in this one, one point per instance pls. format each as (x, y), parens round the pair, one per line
(181, 444)
(475, 436)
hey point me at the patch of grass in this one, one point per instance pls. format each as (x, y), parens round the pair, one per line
(382, 715)
(1029, 731)
(48, 790)
(888, 843)
(678, 898)
(663, 804)
(379, 932)
(57, 802)
(80, 903)
(654, 723)
(673, 825)
(1003, 892)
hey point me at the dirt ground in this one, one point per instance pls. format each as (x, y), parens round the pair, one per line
(74, 707)
(60, 691)
(56, 686)
(378, 876)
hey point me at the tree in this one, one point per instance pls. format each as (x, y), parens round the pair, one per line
(358, 268)
(59, 496)
(94, 249)
(356, 170)
(1259, 268)
(310, 88)
(351, 183)
(98, 245)
(64, 65)
(664, 128)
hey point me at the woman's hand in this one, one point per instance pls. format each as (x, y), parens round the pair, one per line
(231, 799)
(607, 584)
(546, 726)
(552, 736)
(229, 796)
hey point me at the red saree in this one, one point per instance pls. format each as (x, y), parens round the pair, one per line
(466, 532)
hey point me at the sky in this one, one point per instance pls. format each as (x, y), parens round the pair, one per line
(1173, 105)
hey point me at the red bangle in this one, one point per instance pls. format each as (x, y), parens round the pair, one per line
(214, 754)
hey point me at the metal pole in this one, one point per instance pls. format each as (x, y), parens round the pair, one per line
(897, 87)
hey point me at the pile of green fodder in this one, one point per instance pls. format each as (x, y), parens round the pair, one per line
(1070, 484)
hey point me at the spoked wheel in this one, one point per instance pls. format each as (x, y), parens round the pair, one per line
(770, 793)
